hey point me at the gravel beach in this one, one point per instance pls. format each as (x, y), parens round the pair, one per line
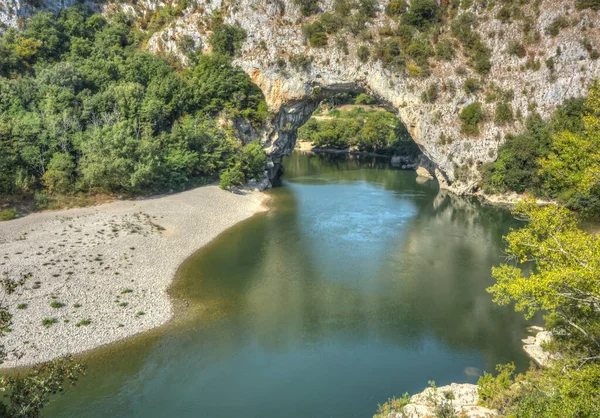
(100, 274)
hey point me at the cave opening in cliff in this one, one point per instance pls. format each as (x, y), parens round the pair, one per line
(343, 120)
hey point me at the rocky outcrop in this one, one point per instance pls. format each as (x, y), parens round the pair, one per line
(534, 346)
(462, 398)
(275, 39)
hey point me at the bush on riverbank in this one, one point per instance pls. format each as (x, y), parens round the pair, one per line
(558, 160)
(369, 130)
(84, 110)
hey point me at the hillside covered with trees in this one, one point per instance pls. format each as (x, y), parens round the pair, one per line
(83, 109)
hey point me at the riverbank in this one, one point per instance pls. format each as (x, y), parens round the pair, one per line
(98, 275)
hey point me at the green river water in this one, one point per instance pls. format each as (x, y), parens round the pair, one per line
(358, 285)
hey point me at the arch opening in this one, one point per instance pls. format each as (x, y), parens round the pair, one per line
(282, 135)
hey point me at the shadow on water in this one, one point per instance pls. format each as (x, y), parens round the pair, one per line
(360, 284)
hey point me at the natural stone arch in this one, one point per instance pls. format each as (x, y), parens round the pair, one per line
(280, 136)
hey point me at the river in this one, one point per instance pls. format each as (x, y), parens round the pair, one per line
(361, 283)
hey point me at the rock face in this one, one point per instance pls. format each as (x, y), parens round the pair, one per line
(275, 37)
(462, 398)
(534, 347)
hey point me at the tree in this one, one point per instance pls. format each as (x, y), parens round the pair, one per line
(471, 116)
(226, 39)
(566, 281)
(565, 284)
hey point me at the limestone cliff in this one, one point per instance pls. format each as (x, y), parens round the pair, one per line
(275, 38)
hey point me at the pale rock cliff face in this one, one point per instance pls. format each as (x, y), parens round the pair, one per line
(274, 30)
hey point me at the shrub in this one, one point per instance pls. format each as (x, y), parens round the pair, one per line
(363, 53)
(231, 177)
(396, 8)
(390, 54)
(445, 50)
(331, 23)
(253, 160)
(504, 114)
(588, 4)
(559, 22)
(365, 99)
(226, 39)
(83, 322)
(8, 214)
(301, 62)
(421, 13)
(367, 7)
(316, 34)
(308, 7)
(471, 85)
(471, 116)
(48, 322)
(517, 48)
(431, 94)
(420, 51)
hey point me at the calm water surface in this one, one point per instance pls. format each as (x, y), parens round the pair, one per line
(359, 285)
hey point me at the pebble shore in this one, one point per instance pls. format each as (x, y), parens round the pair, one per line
(100, 274)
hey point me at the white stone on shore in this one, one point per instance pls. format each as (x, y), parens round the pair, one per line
(463, 398)
(111, 264)
(533, 346)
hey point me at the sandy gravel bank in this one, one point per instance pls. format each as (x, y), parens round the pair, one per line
(97, 275)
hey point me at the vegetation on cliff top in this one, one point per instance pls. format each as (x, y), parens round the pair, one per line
(84, 110)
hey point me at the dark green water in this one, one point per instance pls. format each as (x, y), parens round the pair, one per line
(359, 285)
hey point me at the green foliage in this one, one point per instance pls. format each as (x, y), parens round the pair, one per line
(231, 177)
(392, 407)
(253, 160)
(82, 109)
(396, 8)
(363, 53)
(316, 34)
(445, 50)
(431, 94)
(559, 22)
(503, 114)
(421, 13)
(559, 160)
(471, 85)
(28, 394)
(8, 214)
(365, 99)
(517, 48)
(464, 29)
(471, 116)
(367, 130)
(308, 7)
(588, 4)
(517, 168)
(390, 54)
(564, 283)
(301, 62)
(226, 39)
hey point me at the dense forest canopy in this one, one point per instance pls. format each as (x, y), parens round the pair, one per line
(83, 108)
